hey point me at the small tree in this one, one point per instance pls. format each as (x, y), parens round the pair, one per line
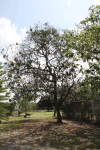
(24, 104)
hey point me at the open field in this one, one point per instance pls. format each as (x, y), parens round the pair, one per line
(40, 131)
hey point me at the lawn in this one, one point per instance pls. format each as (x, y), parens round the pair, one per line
(40, 131)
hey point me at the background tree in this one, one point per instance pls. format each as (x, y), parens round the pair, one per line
(24, 96)
(21, 81)
(24, 104)
(12, 105)
(87, 43)
(46, 102)
(33, 106)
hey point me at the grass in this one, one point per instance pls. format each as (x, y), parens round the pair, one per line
(41, 131)
(15, 119)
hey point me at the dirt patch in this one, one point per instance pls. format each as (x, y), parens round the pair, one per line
(47, 134)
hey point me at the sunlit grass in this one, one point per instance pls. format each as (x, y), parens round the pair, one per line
(14, 120)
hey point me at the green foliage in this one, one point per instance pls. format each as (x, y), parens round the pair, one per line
(4, 109)
(86, 42)
(12, 106)
(3, 106)
(24, 104)
(2, 90)
(46, 102)
(34, 106)
(67, 109)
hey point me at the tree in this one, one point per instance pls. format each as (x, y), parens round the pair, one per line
(34, 106)
(42, 60)
(58, 69)
(24, 104)
(3, 110)
(87, 43)
(21, 82)
(12, 106)
(46, 101)
(24, 96)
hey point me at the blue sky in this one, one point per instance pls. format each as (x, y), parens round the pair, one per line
(16, 16)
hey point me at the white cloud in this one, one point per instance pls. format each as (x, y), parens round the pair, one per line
(8, 34)
(68, 3)
(23, 33)
(96, 2)
(71, 28)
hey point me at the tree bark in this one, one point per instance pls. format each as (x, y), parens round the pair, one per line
(59, 119)
(48, 109)
(54, 113)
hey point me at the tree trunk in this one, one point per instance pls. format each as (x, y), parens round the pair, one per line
(59, 119)
(54, 113)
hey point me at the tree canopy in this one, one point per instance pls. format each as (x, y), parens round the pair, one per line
(86, 41)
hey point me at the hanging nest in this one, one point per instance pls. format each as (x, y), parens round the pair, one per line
(59, 77)
(48, 52)
(30, 28)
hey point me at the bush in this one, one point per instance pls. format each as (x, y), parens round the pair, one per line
(67, 110)
(4, 108)
(12, 106)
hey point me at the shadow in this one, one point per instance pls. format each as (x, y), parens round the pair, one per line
(83, 122)
(48, 133)
(75, 137)
(22, 121)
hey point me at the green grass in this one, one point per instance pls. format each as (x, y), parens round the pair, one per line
(14, 120)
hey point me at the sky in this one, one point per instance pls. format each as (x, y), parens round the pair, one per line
(16, 16)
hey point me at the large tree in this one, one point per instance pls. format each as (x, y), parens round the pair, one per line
(43, 63)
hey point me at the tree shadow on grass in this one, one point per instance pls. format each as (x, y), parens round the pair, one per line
(22, 121)
(71, 136)
(48, 133)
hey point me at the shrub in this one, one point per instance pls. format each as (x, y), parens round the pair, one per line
(67, 109)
